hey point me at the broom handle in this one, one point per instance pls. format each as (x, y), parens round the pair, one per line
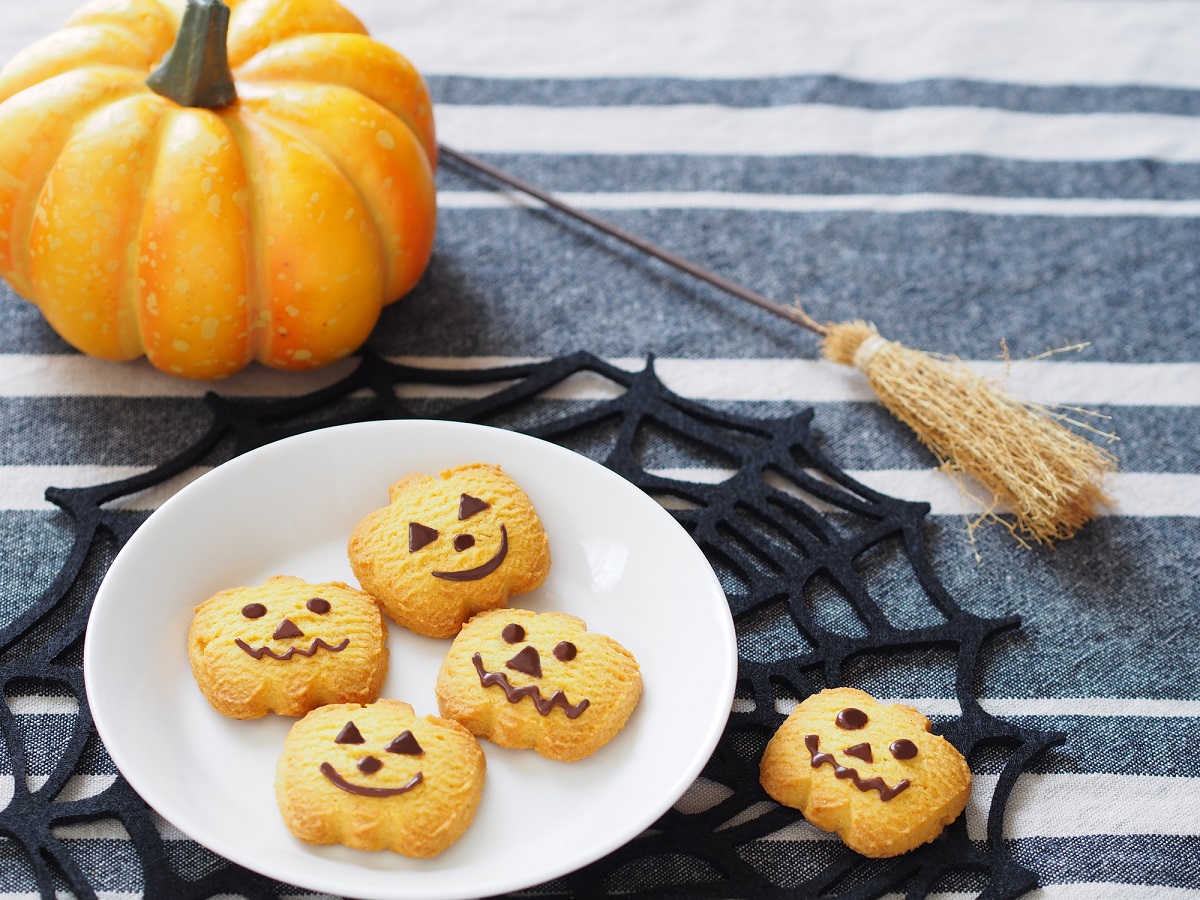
(792, 313)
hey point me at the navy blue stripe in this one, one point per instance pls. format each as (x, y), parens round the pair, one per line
(831, 90)
(1167, 860)
(514, 281)
(1150, 860)
(94, 430)
(956, 174)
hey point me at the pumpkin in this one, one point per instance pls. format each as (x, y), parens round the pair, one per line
(210, 185)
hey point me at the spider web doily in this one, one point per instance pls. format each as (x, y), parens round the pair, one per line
(787, 531)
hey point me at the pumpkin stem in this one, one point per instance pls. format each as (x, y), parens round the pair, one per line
(195, 72)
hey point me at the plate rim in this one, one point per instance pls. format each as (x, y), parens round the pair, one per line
(315, 880)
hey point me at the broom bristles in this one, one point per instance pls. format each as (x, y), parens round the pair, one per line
(1048, 476)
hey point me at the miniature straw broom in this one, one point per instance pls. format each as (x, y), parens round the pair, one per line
(1048, 476)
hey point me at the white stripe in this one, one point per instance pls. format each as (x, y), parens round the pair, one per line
(24, 487)
(78, 787)
(1078, 891)
(799, 380)
(42, 705)
(1060, 41)
(1137, 494)
(819, 130)
(1064, 806)
(1069, 207)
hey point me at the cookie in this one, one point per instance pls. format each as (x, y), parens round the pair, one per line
(287, 647)
(447, 548)
(523, 679)
(871, 772)
(379, 777)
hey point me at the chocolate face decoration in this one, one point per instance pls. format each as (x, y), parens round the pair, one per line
(286, 647)
(524, 679)
(378, 776)
(449, 547)
(421, 536)
(850, 763)
(404, 744)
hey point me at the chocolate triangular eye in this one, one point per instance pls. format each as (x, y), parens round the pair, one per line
(468, 506)
(420, 535)
(349, 735)
(405, 743)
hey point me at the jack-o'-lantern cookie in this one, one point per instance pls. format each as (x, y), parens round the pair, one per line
(871, 772)
(447, 548)
(287, 647)
(379, 777)
(523, 679)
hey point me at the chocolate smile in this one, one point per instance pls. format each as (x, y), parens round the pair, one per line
(813, 743)
(332, 774)
(317, 644)
(480, 571)
(514, 694)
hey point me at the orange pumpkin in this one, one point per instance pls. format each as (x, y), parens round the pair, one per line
(265, 211)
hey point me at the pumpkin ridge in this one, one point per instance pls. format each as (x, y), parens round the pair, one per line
(21, 227)
(309, 137)
(277, 21)
(258, 309)
(28, 68)
(354, 61)
(52, 308)
(131, 293)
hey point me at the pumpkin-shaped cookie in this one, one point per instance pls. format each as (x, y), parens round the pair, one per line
(287, 647)
(542, 681)
(259, 196)
(379, 777)
(874, 773)
(449, 547)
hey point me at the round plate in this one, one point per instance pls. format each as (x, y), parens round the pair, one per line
(620, 562)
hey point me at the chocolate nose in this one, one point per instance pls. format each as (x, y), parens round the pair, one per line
(464, 542)
(527, 661)
(287, 629)
(369, 765)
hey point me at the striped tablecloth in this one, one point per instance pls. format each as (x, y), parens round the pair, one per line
(957, 172)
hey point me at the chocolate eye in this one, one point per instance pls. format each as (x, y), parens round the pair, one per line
(851, 719)
(349, 735)
(254, 610)
(468, 506)
(319, 605)
(419, 535)
(513, 632)
(903, 749)
(405, 743)
(565, 651)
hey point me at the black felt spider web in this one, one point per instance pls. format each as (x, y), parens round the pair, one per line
(784, 521)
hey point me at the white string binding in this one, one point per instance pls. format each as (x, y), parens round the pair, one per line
(866, 351)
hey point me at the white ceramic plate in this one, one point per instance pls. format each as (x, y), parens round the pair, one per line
(620, 562)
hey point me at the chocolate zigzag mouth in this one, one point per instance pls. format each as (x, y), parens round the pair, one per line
(480, 571)
(514, 694)
(317, 644)
(332, 774)
(813, 743)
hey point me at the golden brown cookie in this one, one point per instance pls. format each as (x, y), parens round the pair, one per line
(446, 548)
(523, 679)
(287, 647)
(871, 772)
(379, 777)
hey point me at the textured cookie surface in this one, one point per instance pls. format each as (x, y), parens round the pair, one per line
(379, 777)
(871, 772)
(447, 548)
(287, 647)
(524, 679)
